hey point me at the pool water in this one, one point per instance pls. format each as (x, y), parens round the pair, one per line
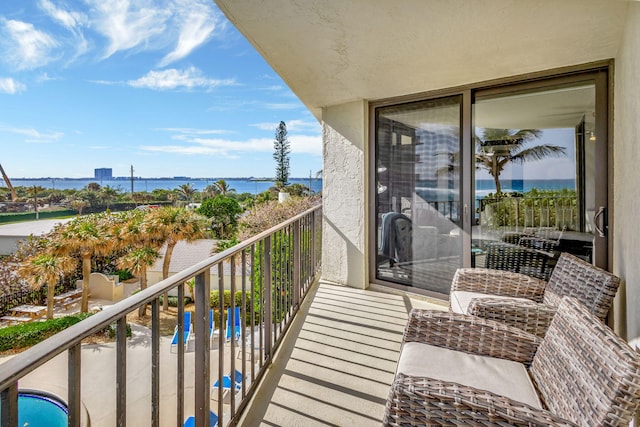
(36, 410)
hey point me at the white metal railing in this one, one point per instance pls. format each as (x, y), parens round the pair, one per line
(277, 268)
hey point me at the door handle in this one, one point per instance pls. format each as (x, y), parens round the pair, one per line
(598, 222)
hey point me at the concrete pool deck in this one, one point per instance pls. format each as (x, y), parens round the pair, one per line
(99, 379)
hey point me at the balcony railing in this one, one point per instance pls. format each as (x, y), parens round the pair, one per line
(273, 271)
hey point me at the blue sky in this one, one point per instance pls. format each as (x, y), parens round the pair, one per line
(168, 86)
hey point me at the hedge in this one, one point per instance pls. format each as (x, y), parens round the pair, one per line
(29, 334)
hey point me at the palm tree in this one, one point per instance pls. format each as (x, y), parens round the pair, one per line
(46, 269)
(137, 261)
(86, 236)
(140, 244)
(223, 187)
(497, 147)
(172, 225)
(33, 191)
(187, 190)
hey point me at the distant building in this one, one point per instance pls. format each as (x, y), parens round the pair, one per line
(103, 174)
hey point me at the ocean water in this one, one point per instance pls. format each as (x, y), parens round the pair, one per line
(486, 186)
(150, 184)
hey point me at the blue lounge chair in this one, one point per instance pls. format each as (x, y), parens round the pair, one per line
(236, 324)
(187, 331)
(226, 382)
(213, 420)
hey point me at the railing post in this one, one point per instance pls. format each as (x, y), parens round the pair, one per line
(180, 378)
(121, 372)
(9, 397)
(73, 385)
(202, 350)
(296, 264)
(267, 296)
(155, 363)
(221, 339)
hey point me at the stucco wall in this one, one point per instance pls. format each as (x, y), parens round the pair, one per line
(344, 200)
(626, 240)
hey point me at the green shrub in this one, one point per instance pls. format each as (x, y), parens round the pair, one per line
(214, 302)
(124, 275)
(28, 334)
(173, 300)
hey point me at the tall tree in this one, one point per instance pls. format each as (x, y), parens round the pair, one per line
(172, 225)
(85, 236)
(223, 187)
(188, 191)
(282, 148)
(46, 269)
(498, 147)
(139, 242)
(223, 211)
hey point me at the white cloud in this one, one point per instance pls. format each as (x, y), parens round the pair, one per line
(25, 46)
(292, 125)
(33, 135)
(72, 21)
(127, 25)
(69, 20)
(10, 86)
(196, 22)
(300, 144)
(189, 78)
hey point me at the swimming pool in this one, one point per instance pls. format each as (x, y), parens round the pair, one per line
(40, 409)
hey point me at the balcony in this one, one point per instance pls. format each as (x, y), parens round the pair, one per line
(140, 380)
(334, 365)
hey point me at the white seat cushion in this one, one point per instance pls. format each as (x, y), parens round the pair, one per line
(460, 300)
(502, 377)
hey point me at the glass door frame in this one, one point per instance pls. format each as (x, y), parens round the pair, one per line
(600, 73)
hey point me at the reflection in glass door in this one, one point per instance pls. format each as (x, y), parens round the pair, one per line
(417, 176)
(535, 177)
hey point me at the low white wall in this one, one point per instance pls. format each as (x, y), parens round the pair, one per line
(344, 197)
(626, 203)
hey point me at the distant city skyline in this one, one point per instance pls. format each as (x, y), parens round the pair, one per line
(168, 86)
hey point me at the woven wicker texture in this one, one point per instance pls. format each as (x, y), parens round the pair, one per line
(585, 374)
(531, 316)
(471, 335)
(594, 287)
(498, 282)
(415, 401)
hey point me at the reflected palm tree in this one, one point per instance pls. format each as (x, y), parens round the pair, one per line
(496, 148)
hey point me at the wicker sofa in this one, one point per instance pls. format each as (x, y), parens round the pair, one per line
(463, 370)
(529, 303)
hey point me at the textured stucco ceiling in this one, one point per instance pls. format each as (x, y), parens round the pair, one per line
(331, 52)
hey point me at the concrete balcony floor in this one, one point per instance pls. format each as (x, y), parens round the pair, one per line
(337, 362)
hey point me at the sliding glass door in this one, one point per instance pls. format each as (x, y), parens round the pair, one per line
(506, 176)
(539, 183)
(417, 178)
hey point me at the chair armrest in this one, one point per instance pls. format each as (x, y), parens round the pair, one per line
(425, 401)
(531, 317)
(498, 282)
(471, 335)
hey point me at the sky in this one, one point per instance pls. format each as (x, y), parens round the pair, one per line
(168, 86)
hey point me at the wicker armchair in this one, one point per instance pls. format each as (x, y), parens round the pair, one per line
(581, 373)
(529, 303)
